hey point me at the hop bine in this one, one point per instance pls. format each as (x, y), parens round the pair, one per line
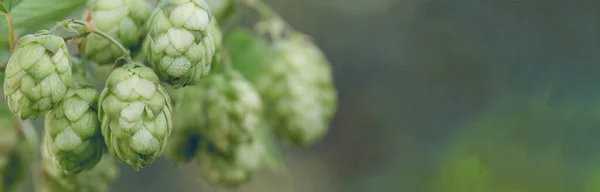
(183, 38)
(296, 86)
(134, 111)
(124, 20)
(74, 140)
(37, 75)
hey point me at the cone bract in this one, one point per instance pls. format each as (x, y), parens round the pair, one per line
(296, 86)
(134, 111)
(37, 75)
(234, 169)
(183, 38)
(124, 20)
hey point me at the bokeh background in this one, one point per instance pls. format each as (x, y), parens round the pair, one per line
(440, 96)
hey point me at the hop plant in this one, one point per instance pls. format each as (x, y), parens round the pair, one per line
(18, 143)
(73, 134)
(124, 20)
(296, 86)
(37, 75)
(232, 110)
(232, 169)
(183, 39)
(134, 111)
(187, 118)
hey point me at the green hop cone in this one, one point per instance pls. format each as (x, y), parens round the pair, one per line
(73, 134)
(231, 170)
(187, 116)
(183, 39)
(232, 110)
(134, 111)
(37, 75)
(18, 141)
(296, 85)
(124, 20)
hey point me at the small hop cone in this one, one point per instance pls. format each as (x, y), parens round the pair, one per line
(124, 20)
(37, 75)
(297, 87)
(18, 141)
(183, 38)
(187, 116)
(234, 169)
(73, 134)
(232, 110)
(134, 111)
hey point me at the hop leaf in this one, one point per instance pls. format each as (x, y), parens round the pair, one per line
(73, 132)
(296, 86)
(37, 75)
(231, 170)
(134, 111)
(124, 20)
(232, 110)
(183, 39)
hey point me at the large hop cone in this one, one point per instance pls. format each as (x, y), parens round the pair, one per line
(51, 178)
(134, 111)
(37, 75)
(73, 131)
(18, 141)
(123, 20)
(231, 112)
(183, 39)
(187, 118)
(296, 86)
(233, 169)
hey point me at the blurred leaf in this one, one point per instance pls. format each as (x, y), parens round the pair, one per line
(273, 157)
(31, 15)
(246, 50)
(3, 8)
(8, 5)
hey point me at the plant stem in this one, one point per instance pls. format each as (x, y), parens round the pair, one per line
(125, 51)
(270, 17)
(11, 32)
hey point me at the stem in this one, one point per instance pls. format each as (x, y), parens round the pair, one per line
(11, 32)
(89, 28)
(270, 17)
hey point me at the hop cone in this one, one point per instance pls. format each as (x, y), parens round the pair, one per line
(187, 118)
(73, 131)
(183, 39)
(232, 110)
(123, 20)
(53, 179)
(37, 75)
(135, 116)
(234, 169)
(18, 146)
(296, 86)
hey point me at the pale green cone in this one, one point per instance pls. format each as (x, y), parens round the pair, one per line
(134, 111)
(183, 38)
(297, 87)
(73, 133)
(187, 118)
(231, 170)
(37, 75)
(232, 110)
(124, 20)
(19, 146)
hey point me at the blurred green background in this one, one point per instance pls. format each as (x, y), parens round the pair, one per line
(440, 96)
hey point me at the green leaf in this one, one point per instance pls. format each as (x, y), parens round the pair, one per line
(8, 5)
(3, 8)
(246, 50)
